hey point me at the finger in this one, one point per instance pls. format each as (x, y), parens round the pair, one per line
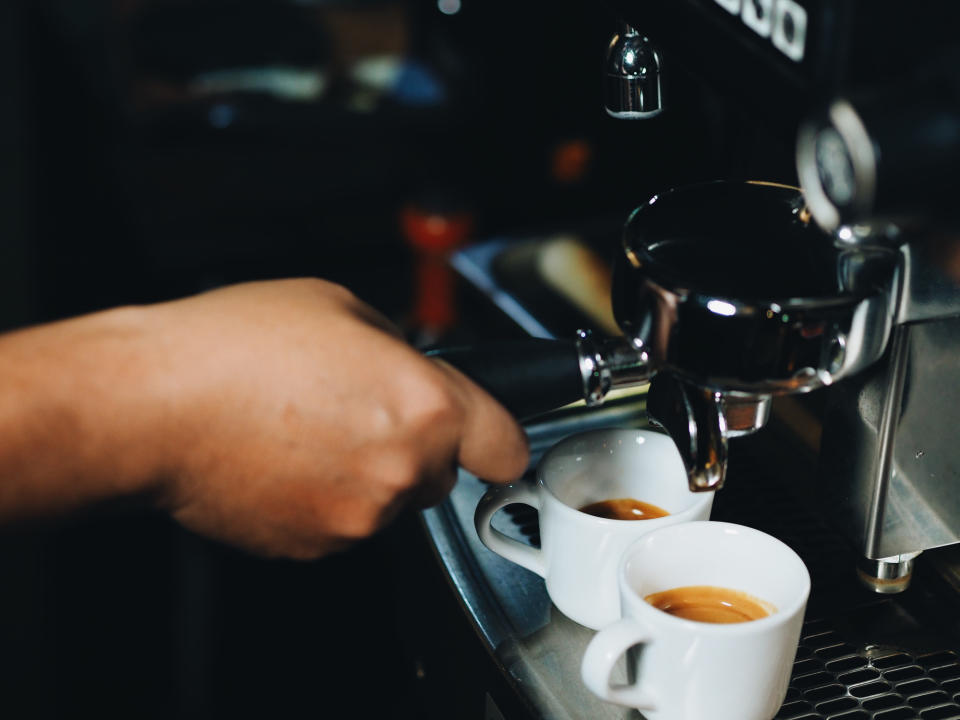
(492, 444)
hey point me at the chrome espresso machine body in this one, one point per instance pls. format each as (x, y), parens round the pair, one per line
(732, 292)
(871, 93)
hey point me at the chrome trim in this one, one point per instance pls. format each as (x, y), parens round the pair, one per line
(632, 77)
(886, 435)
(609, 363)
(887, 575)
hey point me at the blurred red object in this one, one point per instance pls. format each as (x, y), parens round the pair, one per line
(570, 161)
(434, 235)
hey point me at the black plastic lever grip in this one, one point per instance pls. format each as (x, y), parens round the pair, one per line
(528, 377)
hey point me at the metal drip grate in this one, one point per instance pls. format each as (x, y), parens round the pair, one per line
(835, 681)
(851, 661)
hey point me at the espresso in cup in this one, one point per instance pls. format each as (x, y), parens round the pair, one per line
(624, 509)
(722, 667)
(710, 604)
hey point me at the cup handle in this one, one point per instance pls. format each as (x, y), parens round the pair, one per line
(602, 654)
(513, 550)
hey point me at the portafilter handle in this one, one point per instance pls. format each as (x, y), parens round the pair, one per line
(535, 375)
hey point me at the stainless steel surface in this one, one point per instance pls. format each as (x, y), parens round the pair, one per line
(886, 433)
(890, 458)
(632, 82)
(928, 291)
(475, 264)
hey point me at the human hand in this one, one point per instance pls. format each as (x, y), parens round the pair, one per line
(301, 421)
(285, 417)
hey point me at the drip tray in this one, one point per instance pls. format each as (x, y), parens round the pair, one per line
(861, 655)
(834, 679)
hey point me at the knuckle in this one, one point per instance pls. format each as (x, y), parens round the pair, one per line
(437, 403)
(389, 471)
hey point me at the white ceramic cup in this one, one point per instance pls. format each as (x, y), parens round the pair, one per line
(688, 670)
(579, 553)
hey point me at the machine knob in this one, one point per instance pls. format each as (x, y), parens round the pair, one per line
(868, 160)
(632, 77)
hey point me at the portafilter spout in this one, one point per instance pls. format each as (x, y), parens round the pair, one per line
(700, 421)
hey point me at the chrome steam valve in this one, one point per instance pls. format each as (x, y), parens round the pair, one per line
(632, 77)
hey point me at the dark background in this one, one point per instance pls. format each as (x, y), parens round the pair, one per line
(122, 182)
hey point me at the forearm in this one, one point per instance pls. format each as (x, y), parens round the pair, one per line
(75, 406)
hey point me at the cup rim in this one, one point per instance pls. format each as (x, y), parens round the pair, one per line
(782, 615)
(702, 498)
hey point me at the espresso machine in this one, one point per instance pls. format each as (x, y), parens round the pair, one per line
(870, 92)
(810, 263)
(731, 293)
